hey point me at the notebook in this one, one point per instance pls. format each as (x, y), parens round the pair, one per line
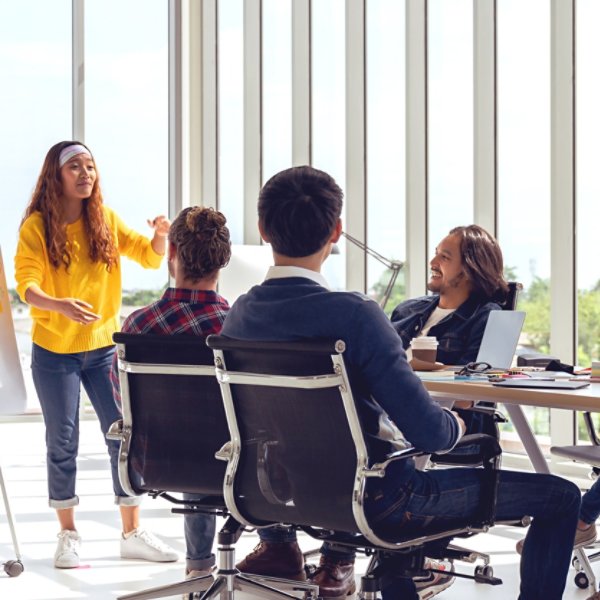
(542, 383)
(500, 338)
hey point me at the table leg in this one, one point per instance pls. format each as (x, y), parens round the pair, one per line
(517, 417)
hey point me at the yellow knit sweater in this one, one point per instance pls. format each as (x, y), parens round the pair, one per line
(85, 280)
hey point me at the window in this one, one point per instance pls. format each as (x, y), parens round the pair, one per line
(524, 166)
(126, 120)
(328, 104)
(231, 115)
(386, 205)
(35, 114)
(450, 112)
(277, 86)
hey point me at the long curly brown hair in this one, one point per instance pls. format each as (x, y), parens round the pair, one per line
(482, 261)
(46, 200)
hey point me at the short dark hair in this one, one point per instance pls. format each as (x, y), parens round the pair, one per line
(482, 261)
(298, 209)
(201, 240)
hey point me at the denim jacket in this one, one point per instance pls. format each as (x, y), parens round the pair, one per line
(459, 334)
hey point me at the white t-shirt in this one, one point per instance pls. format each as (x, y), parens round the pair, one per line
(436, 316)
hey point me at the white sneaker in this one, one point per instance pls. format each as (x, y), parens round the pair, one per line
(143, 545)
(434, 583)
(67, 551)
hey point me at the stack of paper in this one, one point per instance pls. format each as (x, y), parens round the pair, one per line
(436, 375)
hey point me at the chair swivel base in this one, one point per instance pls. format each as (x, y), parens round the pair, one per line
(228, 579)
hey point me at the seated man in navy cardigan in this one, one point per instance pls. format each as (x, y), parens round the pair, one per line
(299, 215)
(467, 282)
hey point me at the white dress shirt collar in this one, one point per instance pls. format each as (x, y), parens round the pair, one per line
(284, 272)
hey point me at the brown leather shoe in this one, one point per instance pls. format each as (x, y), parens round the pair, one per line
(334, 578)
(275, 559)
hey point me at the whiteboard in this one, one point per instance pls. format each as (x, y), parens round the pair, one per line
(13, 397)
(247, 267)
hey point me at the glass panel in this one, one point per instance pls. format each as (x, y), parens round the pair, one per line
(588, 183)
(524, 165)
(450, 113)
(277, 86)
(126, 113)
(588, 190)
(35, 62)
(328, 106)
(231, 115)
(35, 114)
(386, 206)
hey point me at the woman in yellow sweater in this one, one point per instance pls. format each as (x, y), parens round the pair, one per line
(68, 270)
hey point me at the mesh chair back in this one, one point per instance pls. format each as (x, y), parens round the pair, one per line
(176, 417)
(510, 303)
(297, 455)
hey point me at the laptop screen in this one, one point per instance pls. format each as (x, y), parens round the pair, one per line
(500, 338)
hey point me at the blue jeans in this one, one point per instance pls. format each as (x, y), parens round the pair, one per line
(199, 537)
(590, 504)
(280, 533)
(58, 379)
(445, 494)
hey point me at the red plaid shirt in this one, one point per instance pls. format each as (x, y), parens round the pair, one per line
(179, 311)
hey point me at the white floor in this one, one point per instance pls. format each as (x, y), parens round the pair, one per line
(103, 575)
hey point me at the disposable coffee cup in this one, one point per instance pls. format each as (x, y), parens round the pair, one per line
(424, 348)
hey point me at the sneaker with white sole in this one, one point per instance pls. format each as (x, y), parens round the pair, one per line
(143, 545)
(67, 551)
(434, 583)
(583, 537)
(196, 573)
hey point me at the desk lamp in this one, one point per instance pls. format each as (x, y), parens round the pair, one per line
(393, 265)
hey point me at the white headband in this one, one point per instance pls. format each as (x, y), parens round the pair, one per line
(69, 152)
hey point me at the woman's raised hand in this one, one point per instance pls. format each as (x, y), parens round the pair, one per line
(160, 225)
(76, 310)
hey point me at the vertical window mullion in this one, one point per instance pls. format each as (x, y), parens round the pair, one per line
(563, 304)
(208, 107)
(301, 82)
(78, 70)
(252, 117)
(416, 147)
(485, 115)
(355, 143)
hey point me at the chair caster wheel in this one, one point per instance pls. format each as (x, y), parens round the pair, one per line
(581, 580)
(485, 571)
(13, 568)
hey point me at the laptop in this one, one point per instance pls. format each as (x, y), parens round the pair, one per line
(561, 384)
(500, 338)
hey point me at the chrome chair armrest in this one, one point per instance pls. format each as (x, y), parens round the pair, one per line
(116, 431)
(378, 469)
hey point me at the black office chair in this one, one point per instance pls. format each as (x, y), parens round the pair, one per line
(588, 454)
(483, 417)
(293, 423)
(173, 423)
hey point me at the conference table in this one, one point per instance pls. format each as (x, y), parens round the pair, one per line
(583, 399)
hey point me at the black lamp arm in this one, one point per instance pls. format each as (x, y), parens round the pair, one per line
(393, 265)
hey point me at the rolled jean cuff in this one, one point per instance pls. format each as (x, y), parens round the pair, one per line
(61, 504)
(200, 564)
(128, 500)
(338, 553)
